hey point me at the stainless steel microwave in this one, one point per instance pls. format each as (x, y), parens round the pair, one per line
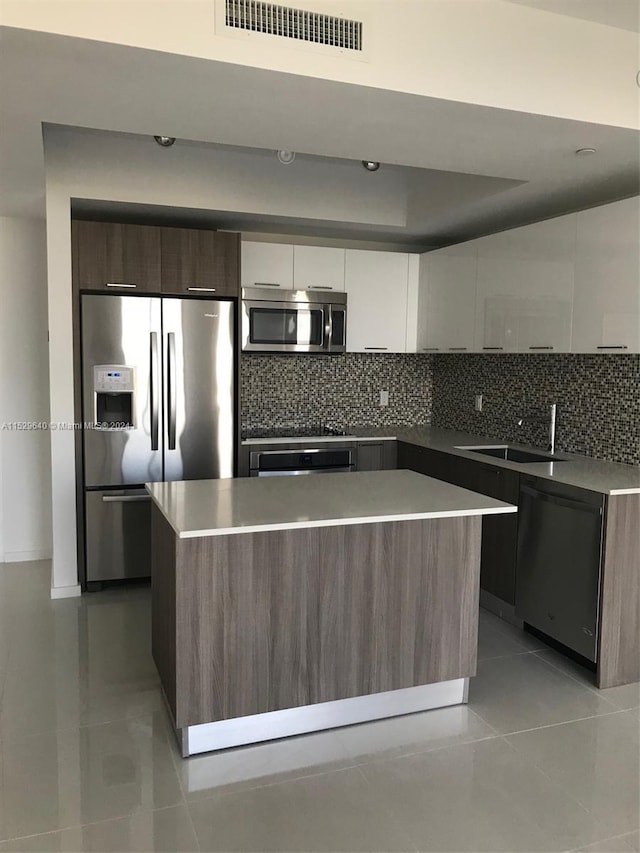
(293, 321)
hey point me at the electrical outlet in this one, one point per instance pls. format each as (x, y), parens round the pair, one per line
(478, 402)
(384, 398)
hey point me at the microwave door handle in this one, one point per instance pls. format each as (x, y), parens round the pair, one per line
(328, 326)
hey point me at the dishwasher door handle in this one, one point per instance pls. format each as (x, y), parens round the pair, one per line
(560, 500)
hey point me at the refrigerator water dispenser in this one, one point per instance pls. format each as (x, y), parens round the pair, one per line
(113, 387)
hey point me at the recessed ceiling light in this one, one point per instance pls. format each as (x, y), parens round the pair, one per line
(371, 165)
(165, 141)
(286, 157)
(583, 152)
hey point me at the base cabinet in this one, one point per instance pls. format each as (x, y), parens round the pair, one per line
(499, 533)
(376, 456)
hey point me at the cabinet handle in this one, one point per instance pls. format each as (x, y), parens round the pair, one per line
(457, 349)
(125, 499)
(493, 348)
(318, 287)
(203, 289)
(430, 349)
(541, 348)
(624, 346)
(113, 284)
(377, 348)
(266, 284)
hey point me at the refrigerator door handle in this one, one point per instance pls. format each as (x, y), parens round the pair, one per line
(171, 390)
(154, 388)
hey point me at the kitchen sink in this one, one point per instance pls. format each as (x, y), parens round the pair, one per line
(512, 454)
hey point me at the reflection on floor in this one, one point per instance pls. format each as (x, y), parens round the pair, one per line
(539, 760)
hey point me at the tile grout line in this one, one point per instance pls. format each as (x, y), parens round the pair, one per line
(72, 826)
(603, 840)
(562, 722)
(591, 687)
(396, 818)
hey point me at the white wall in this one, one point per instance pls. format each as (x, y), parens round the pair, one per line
(472, 51)
(25, 474)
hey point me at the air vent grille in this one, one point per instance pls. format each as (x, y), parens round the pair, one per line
(297, 24)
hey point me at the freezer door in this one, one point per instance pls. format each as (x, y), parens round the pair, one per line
(118, 534)
(121, 331)
(198, 389)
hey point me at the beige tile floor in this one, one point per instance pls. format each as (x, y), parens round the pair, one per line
(539, 760)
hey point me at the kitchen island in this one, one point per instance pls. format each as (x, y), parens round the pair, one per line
(291, 604)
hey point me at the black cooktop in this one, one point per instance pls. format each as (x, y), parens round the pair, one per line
(294, 432)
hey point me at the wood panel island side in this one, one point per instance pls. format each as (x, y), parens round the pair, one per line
(292, 604)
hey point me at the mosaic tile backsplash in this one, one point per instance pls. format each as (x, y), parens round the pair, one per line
(307, 391)
(598, 399)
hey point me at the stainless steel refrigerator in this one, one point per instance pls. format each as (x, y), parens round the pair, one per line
(158, 386)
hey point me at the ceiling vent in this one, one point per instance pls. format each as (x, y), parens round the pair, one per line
(298, 24)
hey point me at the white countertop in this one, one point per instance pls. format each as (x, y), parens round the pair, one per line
(251, 504)
(595, 475)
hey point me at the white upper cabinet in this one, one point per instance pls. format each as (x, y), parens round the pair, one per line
(606, 311)
(318, 268)
(447, 300)
(267, 265)
(525, 286)
(497, 296)
(377, 284)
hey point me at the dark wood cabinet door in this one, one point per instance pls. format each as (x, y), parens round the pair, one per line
(500, 532)
(115, 257)
(411, 457)
(200, 263)
(370, 456)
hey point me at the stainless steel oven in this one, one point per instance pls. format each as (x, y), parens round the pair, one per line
(293, 321)
(291, 463)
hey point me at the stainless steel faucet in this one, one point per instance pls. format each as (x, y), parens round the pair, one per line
(552, 424)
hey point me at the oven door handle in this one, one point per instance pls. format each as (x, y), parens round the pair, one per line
(302, 472)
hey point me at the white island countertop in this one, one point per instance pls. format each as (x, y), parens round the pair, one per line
(197, 508)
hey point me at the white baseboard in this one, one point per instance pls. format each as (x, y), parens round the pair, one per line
(66, 591)
(26, 556)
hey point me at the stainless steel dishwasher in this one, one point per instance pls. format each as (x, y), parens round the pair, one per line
(558, 564)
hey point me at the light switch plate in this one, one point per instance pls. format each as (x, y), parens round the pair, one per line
(384, 398)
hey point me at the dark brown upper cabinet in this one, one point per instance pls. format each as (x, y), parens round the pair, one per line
(200, 263)
(114, 257)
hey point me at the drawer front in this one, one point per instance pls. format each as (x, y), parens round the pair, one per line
(118, 541)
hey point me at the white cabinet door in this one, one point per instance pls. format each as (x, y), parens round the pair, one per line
(267, 265)
(525, 288)
(447, 302)
(606, 309)
(497, 305)
(546, 269)
(377, 288)
(318, 268)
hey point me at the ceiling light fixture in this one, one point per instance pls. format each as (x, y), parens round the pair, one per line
(286, 157)
(165, 141)
(371, 165)
(583, 152)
